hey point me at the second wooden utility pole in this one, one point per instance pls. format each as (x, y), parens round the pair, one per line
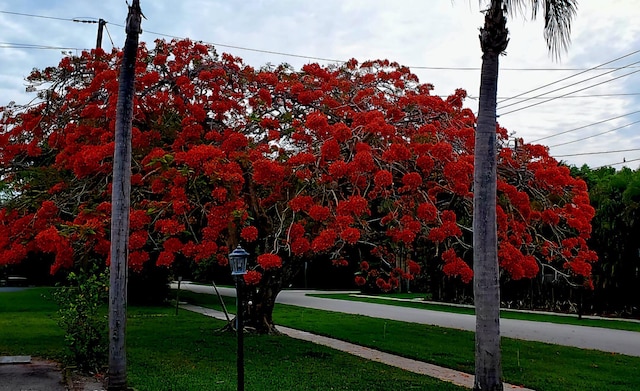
(101, 23)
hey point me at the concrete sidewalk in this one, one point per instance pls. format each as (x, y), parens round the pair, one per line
(445, 374)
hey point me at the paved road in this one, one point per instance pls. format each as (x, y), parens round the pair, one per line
(608, 340)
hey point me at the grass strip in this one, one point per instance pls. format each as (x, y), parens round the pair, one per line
(543, 367)
(505, 314)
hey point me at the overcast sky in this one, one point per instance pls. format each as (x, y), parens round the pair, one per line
(436, 38)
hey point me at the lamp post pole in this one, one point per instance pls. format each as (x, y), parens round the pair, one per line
(238, 260)
(239, 330)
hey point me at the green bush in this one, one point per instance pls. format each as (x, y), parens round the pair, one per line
(82, 316)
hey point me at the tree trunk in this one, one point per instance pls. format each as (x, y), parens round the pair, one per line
(121, 192)
(260, 300)
(488, 372)
(259, 314)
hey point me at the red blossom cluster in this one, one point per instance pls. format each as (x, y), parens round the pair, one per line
(269, 261)
(455, 266)
(249, 233)
(252, 277)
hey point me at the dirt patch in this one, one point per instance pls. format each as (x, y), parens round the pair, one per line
(78, 382)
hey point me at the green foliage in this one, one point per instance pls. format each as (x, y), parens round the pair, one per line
(616, 227)
(81, 315)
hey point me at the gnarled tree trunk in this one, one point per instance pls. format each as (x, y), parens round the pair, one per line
(259, 301)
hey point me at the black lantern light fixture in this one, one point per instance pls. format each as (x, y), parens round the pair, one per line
(238, 260)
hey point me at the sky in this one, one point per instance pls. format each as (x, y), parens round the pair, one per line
(583, 106)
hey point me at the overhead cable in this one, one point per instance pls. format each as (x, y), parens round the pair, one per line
(572, 76)
(595, 135)
(585, 126)
(616, 164)
(10, 45)
(568, 86)
(597, 153)
(566, 97)
(569, 93)
(36, 16)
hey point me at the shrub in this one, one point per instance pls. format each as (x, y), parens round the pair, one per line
(82, 316)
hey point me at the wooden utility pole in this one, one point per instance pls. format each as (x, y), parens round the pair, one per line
(120, 201)
(101, 23)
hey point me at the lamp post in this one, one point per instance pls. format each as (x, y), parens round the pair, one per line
(238, 260)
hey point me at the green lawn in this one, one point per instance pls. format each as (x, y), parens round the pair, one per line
(28, 324)
(540, 366)
(506, 314)
(186, 352)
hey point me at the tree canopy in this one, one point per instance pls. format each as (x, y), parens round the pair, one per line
(356, 162)
(616, 197)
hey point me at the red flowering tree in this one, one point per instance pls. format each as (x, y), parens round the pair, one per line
(351, 163)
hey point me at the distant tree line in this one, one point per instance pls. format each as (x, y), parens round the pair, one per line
(615, 237)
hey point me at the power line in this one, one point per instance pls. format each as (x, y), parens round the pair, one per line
(77, 20)
(616, 164)
(242, 47)
(595, 135)
(566, 97)
(36, 16)
(598, 153)
(585, 126)
(572, 76)
(11, 45)
(570, 85)
(569, 93)
(512, 69)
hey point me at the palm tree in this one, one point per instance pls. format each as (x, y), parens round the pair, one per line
(494, 38)
(121, 199)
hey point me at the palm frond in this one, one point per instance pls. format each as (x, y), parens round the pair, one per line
(558, 15)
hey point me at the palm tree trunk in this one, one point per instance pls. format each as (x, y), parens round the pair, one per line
(485, 256)
(488, 369)
(121, 194)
